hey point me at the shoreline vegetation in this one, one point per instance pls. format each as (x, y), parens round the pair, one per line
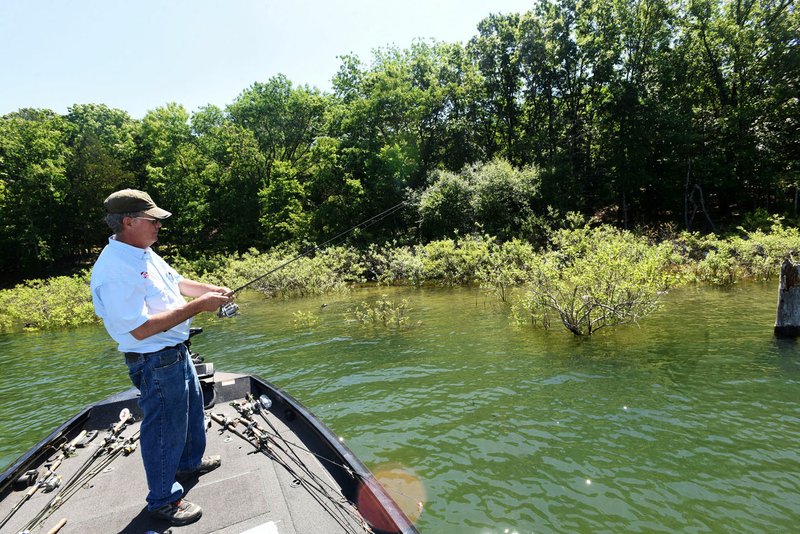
(646, 117)
(585, 278)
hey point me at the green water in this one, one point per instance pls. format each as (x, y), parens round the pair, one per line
(689, 423)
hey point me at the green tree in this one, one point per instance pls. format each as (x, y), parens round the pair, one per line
(33, 189)
(744, 64)
(505, 199)
(445, 207)
(456, 85)
(379, 149)
(493, 197)
(174, 174)
(285, 120)
(101, 161)
(636, 33)
(290, 126)
(558, 118)
(283, 213)
(496, 52)
(235, 172)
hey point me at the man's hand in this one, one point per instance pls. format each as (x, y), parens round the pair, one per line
(212, 300)
(160, 322)
(190, 288)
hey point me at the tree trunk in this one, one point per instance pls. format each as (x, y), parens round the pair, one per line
(787, 323)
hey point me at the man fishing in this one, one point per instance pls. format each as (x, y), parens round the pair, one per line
(141, 301)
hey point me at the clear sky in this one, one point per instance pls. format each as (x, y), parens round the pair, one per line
(137, 55)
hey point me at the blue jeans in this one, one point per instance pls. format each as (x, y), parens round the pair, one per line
(172, 434)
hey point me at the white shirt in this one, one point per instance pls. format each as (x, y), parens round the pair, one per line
(129, 284)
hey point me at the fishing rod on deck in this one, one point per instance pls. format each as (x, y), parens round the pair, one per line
(231, 309)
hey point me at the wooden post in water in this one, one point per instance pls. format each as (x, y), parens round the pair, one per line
(787, 323)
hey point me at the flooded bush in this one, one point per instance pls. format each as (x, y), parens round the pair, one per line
(761, 253)
(395, 265)
(752, 255)
(593, 278)
(445, 263)
(305, 319)
(507, 266)
(384, 312)
(58, 302)
(452, 263)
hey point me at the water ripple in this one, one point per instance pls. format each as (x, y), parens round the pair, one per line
(687, 424)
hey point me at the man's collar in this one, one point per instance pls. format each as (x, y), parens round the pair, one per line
(128, 250)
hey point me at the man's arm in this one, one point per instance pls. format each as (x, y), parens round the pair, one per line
(160, 322)
(191, 288)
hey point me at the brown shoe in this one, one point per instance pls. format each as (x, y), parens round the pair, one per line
(179, 512)
(207, 464)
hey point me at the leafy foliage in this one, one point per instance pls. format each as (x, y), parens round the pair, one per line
(33, 160)
(305, 319)
(494, 198)
(328, 270)
(446, 262)
(509, 266)
(384, 312)
(632, 113)
(595, 278)
(588, 278)
(755, 254)
(59, 302)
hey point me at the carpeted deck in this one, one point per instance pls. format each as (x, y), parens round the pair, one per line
(250, 493)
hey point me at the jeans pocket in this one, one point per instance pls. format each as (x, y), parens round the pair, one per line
(139, 379)
(169, 374)
(167, 358)
(136, 378)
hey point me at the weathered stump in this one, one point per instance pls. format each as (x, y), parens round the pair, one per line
(787, 323)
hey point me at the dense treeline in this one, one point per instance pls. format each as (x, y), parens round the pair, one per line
(637, 112)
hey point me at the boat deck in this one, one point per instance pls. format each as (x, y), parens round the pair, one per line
(251, 493)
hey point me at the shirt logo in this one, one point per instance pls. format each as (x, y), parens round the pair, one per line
(145, 274)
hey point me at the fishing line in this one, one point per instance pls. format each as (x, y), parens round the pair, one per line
(231, 309)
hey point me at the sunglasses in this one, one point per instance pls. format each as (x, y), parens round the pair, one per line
(154, 222)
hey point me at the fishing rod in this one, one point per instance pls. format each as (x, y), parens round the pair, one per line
(67, 449)
(328, 497)
(111, 447)
(230, 309)
(273, 439)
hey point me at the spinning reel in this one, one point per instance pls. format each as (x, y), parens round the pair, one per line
(228, 310)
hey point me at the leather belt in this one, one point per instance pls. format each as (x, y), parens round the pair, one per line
(133, 357)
